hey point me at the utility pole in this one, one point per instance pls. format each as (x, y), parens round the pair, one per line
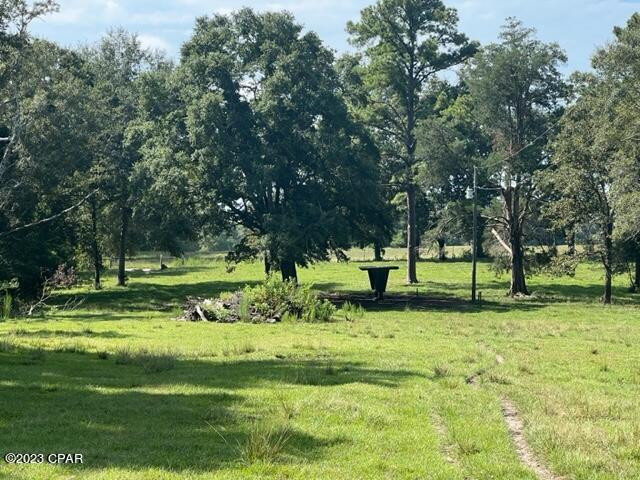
(474, 253)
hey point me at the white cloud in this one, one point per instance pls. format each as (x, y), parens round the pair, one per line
(153, 42)
(112, 8)
(78, 12)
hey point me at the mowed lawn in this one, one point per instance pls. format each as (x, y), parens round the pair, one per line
(405, 391)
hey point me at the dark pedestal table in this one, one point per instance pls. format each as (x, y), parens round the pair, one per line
(378, 277)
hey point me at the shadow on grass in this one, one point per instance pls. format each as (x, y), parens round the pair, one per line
(139, 296)
(171, 272)
(425, 302)
(590, 293)
(395, 261)
(147, 296)
(194, 417)
(43, 333)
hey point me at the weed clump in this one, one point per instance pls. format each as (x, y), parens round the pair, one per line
(352, 312)
(441, 371)
(6, 307)
(240, 349)
(265, 442)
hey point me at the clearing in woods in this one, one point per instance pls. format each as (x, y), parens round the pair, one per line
(542, 388)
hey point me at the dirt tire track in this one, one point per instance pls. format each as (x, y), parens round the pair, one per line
(446, 448)
(516, 432)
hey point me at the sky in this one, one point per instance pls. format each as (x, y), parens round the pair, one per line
(579, 26)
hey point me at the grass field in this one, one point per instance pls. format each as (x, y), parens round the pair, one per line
(402, 392)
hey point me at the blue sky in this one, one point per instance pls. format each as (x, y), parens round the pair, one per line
(578, 25)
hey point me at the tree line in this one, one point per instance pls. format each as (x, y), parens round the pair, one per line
(261, 130)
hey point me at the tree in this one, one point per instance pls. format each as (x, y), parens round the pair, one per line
(116, 64)
(48, 142)
(15, 18)
(274, 146)
(450, 144)
(165, 212)
(618, 66)
(355, 94)
(582, 170)
(517, 89)
(405, 44)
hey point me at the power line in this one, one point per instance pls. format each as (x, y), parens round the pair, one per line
(51, 218)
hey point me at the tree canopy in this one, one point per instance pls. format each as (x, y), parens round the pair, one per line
(274, 145)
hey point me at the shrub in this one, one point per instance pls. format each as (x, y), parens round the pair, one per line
(64, 277)
(274, 299)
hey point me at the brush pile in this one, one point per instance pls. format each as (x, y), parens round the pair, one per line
(271, 302)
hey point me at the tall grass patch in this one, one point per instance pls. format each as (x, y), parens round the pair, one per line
(150, 361)
(265, 442)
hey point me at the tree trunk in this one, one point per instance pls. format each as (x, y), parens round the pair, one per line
(412, 236)
(288, 270)
(518, 279)
(267, 263)
(442, 249)
(571, 243)
(96, 254)
(122, 247)
(607, 260)
(636, 280)
(512, 206)
(377, 252)
(267, 266)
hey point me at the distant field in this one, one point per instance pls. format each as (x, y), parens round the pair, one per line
(454, 252)
(403, 392)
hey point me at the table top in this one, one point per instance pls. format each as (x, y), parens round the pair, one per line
(380, 268)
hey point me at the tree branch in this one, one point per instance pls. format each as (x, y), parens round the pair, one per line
(501, 241)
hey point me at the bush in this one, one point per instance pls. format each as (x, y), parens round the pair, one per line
(274, 299)
(64, 277)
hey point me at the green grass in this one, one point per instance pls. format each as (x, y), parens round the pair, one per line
(384, 395)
